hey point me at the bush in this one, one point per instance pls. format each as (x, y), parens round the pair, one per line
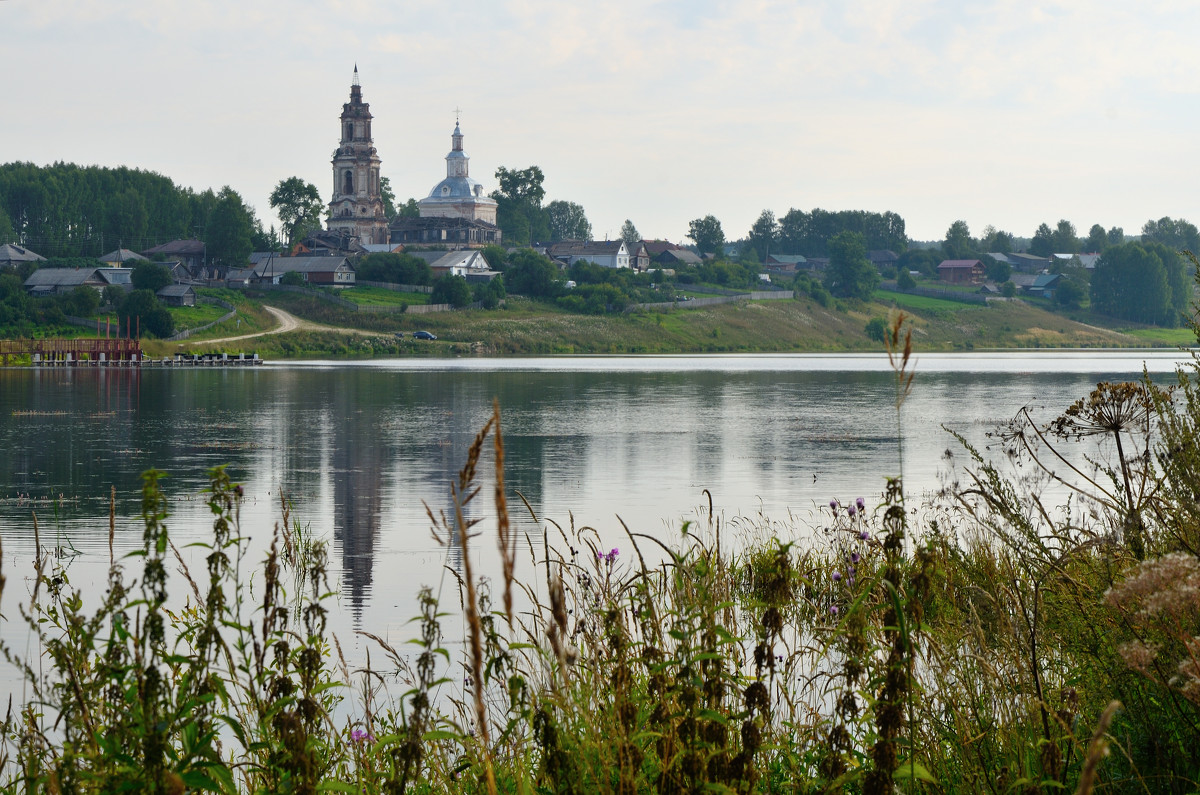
(452, 290)
(904, 280)
(876, 328)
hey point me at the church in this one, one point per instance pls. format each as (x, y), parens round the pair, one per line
(456, 214)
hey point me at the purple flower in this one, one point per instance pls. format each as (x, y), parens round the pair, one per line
(833, 611)
(851, 511)
(612, 555)
(864, 535)
(860, 503)
(837, 575)
(855, 557)
(833, 505)
(359, 735)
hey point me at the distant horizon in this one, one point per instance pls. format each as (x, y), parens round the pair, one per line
(659, 113)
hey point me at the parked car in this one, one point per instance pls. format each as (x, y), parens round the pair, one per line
(423, 335)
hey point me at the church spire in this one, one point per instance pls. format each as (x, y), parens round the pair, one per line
(355, 81)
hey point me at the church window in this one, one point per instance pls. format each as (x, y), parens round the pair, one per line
(348, 186)
(349, 132)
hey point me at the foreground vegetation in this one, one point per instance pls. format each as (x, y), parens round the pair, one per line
(1035, 634)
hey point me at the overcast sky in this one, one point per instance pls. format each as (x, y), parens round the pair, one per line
(1003, 112)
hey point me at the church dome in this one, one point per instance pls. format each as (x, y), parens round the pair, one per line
(458, 196)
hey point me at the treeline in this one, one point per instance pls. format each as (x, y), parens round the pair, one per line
(66, 210)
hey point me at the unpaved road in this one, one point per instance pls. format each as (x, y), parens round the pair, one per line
(289, 322)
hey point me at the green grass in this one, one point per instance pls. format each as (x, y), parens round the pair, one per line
(1168, 336)
(192, 316)
(380, 296)
(908, 301)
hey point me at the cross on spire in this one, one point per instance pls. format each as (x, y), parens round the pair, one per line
(355, 75)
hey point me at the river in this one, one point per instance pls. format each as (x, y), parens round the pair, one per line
(362, 448)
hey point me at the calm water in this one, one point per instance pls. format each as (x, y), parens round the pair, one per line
(362, 448)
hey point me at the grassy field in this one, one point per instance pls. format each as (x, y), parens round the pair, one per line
(918, 302)
(379, 296)
(192, 316)
(1164, 336)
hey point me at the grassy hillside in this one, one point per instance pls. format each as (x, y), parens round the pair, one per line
(803, 325)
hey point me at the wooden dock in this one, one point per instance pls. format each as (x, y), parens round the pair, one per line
(110, 353)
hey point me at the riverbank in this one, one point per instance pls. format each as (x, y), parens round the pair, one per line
(525, 327)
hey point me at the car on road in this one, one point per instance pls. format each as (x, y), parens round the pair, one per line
(423, 335)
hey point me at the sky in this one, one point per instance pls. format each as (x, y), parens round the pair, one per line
(1003, 112)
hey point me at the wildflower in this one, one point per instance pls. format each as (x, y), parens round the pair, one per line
(359, 736)
(850, 511)
(855, 558)
(863, 535)
(837, 575)
(833, 611)
(833, 506)
(611, 557)
(860, 503)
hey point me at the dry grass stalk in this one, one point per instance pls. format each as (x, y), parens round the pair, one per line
(505, 536)
(1097, 750)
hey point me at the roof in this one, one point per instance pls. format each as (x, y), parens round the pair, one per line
(434, 222)
(996, 255)
(116, 275)
(882, 255)
(11, 252)
(281, 265)
(1088, 260)
(1044, 280)
(786, 259)
(122, 255)
(175, 291)
(442, 260)
(959, 263)
(656, 247)
(62, 277)
(575, 248)
(1027, 258)
(679, 255)
(180, 248)
(382, 248)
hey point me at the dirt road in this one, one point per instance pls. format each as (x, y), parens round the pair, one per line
(289, 322)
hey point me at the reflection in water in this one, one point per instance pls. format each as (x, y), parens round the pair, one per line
(361, 450)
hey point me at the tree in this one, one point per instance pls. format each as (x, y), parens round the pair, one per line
(394, 269)
(7, 235)
(125, 216)
(707, 234)
(489, 293)
(141, 310)
(996, 241)
(764, 235)
(1064, 239)
(567, 221)
(1131, 282)
(958, 243)
(150, 276)
(1173, 233)
(293, 279)
(519, 212)
(451, 289)
(1068, 294)
(629, 232)
(1097, 240)
(904, 279)
(1116, 236)
(410, 209)
(850, 274)
(83, 301)
(876, 328)
(531, 274)
(1042, 244)
(1008, 289)
(997, 270)
(299, 207)
(389, 197)
(228, 234)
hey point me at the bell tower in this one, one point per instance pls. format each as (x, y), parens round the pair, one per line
(357, 205)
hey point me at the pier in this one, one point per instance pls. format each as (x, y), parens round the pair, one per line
(110, 353)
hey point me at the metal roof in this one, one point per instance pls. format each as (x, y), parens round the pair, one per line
(11, 252)
(62, 277)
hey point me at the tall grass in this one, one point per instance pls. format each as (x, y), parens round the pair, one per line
(996, 642)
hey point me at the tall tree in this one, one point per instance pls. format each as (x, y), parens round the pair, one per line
(227, 237)
(568, 221)
(1042, 244)
(532, 274)
(850, 274)
(299, 207)
(764, 235)
(7, 235)
(389, 198)
(1097, 240)
(996, 241)
(1131, 281)
(707, 234)
(958, 243)
(1116, 236)
(410, 209)
(1174, 233)
(629, 232)
(519, 211)
(1065, 241)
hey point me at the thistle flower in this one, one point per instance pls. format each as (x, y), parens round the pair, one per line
(850, 510)
(837, 575)
(863, 535)
(359, 736)
(860, 503)
(833, 610)
(611, 557)
(833, 505)
(855, 558)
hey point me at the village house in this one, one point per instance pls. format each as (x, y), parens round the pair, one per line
(962, 271)
(58, 281)
(784, 265)
(12, 255)
(678, 256)
(321, 271)
(177, 295)
(189, 252)
(639, 257)
(1028, 263)
(471, 265)
(605, 253)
